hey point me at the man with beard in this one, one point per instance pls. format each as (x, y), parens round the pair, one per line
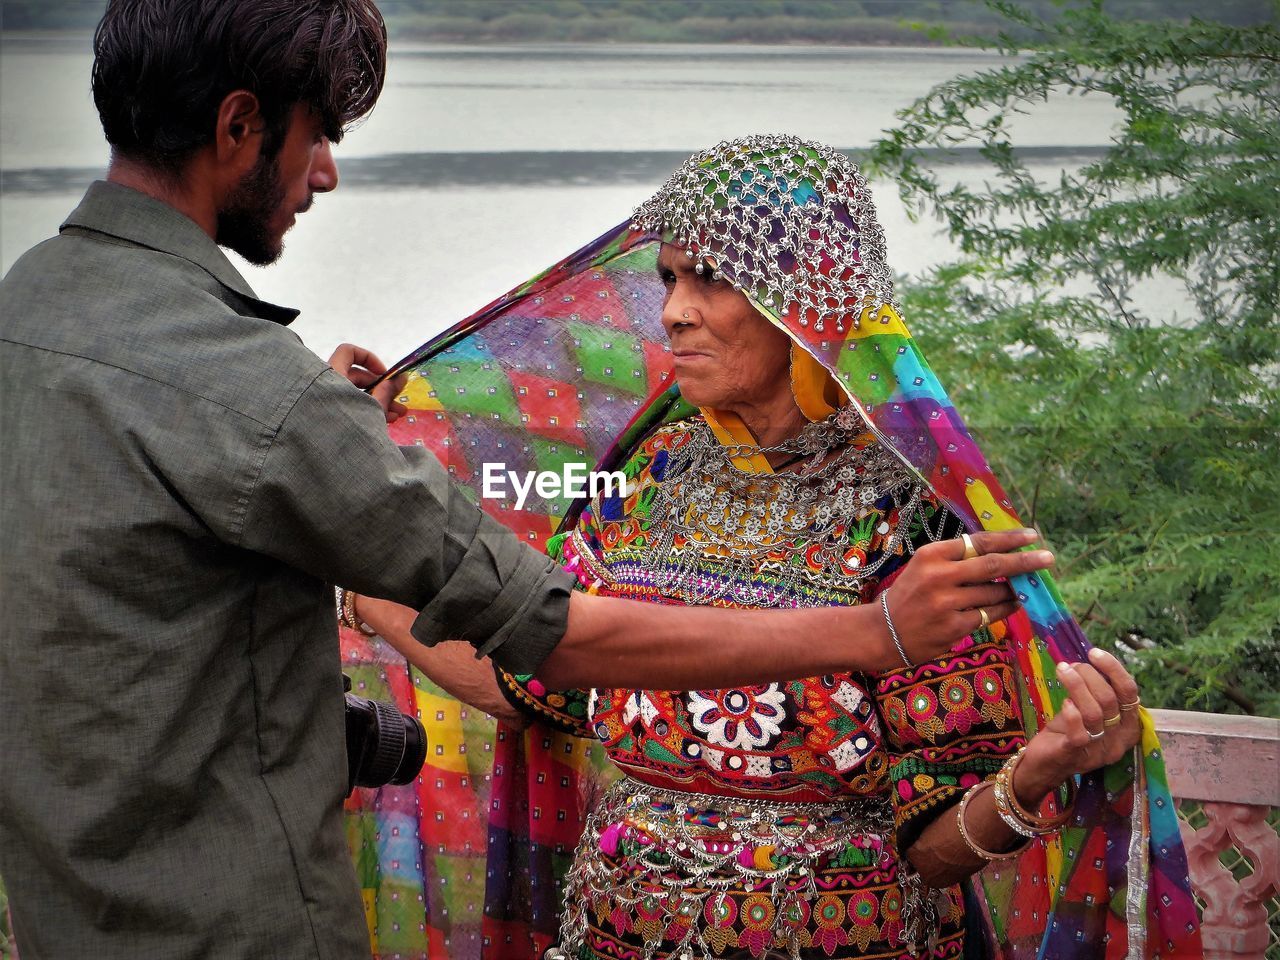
(170, 683)
(183, 481)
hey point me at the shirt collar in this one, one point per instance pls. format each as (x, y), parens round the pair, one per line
(127, 214)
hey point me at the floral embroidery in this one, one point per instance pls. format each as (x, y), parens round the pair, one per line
(891, 910)
(685, 912)
(957, 698)
(922, 707)
(828, 914)
(863, 909)
(744, 718)
(757, 923)
(648, 917)
(795, 917)
(721, 913)
(991, 691)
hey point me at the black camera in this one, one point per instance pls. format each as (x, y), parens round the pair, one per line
(383, 744)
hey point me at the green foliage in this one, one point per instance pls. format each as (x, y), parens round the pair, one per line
(1113, 334)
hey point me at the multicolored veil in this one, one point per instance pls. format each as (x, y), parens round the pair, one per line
(572, 368)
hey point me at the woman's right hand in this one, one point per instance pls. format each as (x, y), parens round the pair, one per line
(388, 619)
(452, 665)
(939, 596)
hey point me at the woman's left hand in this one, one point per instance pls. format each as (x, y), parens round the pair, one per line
(1096, 726)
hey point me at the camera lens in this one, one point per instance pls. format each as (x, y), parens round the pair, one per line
(383, 744)
(399, 748)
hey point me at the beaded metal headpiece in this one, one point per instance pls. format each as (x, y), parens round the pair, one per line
(788, 221)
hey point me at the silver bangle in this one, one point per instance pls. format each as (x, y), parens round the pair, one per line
(888, 622)
(1003, 810)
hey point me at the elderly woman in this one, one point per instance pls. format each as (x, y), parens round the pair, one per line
(834, 816)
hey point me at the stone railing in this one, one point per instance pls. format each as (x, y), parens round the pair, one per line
(1224, 772)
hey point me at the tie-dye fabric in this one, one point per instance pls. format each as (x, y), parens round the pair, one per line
(465, 862)
(572, 368)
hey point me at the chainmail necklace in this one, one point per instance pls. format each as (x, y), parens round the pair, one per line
(759, 523)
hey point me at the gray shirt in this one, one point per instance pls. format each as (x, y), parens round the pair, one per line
(181, 479)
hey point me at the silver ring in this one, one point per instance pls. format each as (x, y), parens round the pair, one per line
(1096, 736)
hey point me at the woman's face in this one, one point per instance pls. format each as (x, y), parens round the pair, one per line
(727, 355)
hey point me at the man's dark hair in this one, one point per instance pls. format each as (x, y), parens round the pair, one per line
(162, 68)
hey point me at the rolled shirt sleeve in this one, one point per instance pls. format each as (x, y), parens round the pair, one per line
(507, 600)
(336, 498)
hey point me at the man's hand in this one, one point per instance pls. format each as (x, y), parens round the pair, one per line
(939, 596)
(363, 368)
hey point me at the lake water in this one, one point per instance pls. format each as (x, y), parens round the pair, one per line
(482, 165)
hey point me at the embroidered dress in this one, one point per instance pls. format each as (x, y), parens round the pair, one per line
(572, 368)
(770, 817)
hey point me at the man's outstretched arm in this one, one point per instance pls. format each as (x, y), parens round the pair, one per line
(419, 541)
(624, 643)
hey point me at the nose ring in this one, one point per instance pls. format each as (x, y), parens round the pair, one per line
(686, 314)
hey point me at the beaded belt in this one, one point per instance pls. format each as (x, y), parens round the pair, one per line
(746, 838)
(654, 849)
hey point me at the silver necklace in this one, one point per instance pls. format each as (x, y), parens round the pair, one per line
(754, 524)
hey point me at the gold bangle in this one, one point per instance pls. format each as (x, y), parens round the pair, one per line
(348, 617)
(964, 832)
(1034, 821)
(1008, 808)
(346, 608)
